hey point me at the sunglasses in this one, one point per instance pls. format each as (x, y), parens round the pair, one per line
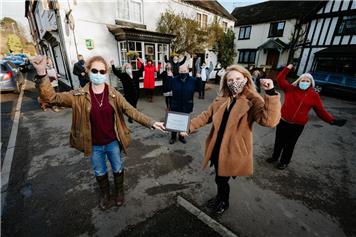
(95, 71)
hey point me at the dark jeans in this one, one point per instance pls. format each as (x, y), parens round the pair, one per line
(222, 184)
(202, 89)
(287, 135)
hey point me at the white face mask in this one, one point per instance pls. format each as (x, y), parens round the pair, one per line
(129, 71)
(237, 86)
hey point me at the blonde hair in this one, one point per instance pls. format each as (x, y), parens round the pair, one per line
(305, 75)
(224, 90)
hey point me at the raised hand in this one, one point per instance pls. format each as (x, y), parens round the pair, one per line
(111, 62)
(39, 62)
(290, 66)
(266, 84)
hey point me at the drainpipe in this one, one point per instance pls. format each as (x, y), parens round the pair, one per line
(62, 41)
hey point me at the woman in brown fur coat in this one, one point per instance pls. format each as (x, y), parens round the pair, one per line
(232, 113)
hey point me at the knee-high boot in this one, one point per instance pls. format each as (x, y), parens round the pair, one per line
(119, 188)
(104, 186)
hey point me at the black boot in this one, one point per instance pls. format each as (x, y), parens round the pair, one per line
(119, 188)
(104, 186)
(182, 139)
(173, 138)
(213, 202)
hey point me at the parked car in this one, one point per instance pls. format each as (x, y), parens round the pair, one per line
(19, 60)
(11, 77)
(334, 82)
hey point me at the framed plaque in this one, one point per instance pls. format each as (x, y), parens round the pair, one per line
(177, 122)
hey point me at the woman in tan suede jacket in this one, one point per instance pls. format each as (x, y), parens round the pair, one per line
(98, 125)
(232, 113)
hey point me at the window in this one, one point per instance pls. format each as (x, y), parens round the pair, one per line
(130, 10)
(276, 29)
(202, 19)
(245, 32)
(347, 26)
(125, 47)
(162, 51)
(247, 56)
(224, 24)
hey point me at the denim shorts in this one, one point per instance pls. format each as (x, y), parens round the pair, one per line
(110, 151)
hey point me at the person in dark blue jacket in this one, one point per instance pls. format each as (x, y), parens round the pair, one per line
(183, 88)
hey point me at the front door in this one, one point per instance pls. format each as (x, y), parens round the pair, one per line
(272, 58)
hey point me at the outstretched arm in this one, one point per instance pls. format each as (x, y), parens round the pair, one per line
(281, 78)
(183, 61)
(139, 117)
(46, 90)
(197, 65)
(320, 110)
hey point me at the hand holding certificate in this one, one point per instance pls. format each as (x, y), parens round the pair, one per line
(177, 122)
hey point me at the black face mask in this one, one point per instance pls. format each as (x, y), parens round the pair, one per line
(183, 76)
(81, 61)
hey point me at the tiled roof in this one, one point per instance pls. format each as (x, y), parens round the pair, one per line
(270, 11)
(211, 6)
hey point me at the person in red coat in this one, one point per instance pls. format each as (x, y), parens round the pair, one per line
(149, 79)
(299, 98)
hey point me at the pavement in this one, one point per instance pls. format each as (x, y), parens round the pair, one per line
(52, 190)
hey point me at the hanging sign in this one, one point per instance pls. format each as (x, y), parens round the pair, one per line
(89, 43)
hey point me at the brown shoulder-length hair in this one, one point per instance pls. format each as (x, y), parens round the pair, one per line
(93, 59)
(224, 89)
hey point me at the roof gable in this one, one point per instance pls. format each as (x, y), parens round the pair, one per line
(211, 6)
(270, 11)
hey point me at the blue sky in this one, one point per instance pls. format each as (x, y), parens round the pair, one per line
(231, 4)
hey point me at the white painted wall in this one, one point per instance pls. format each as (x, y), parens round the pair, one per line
(259, 35)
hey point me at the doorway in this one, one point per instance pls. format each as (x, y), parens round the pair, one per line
(272, 58)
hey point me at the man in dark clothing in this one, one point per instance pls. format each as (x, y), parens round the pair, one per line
(174, 61)
(130, 81)
(79, 71)
(183, 88)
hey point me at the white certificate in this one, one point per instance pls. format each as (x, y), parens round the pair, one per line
(177, 122)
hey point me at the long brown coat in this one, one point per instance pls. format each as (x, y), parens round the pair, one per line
(80, 102)
(235, 155)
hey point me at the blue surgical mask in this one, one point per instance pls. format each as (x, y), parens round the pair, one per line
(97, 79)
(304, 85)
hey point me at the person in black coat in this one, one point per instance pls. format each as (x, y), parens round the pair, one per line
(183, 87)
(174, 61)
(130, 81)
(165, 76)
(79, 71)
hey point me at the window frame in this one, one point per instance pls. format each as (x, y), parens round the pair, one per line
(341, 21)
(130, 11)
(242, 55)
(244, 33)
(276, 23)
(202, 19)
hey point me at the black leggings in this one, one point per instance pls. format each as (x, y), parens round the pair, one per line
(287, 135)
(222, 184)
(168, 102)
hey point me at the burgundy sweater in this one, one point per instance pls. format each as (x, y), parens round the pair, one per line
(101, 118)
(297, 102)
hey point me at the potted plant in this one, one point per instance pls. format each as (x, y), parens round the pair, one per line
(132, 54)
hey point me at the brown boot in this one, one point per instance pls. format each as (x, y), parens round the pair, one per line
(119, 188)
(104, 186)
